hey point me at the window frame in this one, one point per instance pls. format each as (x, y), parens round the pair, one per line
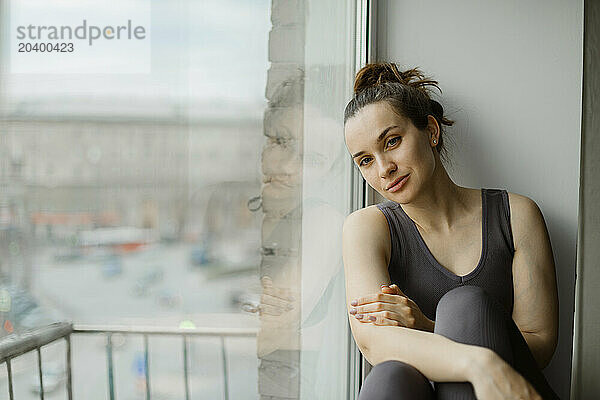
(361, 193)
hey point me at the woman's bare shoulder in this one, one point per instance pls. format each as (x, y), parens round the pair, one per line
(525, 215)
(367, 228)
(520, 204)
(369, 218)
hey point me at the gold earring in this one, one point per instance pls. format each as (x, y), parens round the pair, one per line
(434, 141)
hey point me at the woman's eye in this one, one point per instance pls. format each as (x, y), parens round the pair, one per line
(393, 141)
(362, 162)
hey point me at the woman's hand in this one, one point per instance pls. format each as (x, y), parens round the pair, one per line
(390, 307)
(494, 379)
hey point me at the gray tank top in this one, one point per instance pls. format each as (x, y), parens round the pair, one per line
(424, 280)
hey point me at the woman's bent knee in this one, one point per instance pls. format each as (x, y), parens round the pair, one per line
(467, 314)
(466, 294)
(394, 368)
(394, 379)
(459, 300)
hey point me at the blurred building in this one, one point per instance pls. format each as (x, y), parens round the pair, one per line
(78, 164)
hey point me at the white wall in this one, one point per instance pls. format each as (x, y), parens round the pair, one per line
(511, 75)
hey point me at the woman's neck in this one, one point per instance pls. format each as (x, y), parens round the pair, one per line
(440, 204)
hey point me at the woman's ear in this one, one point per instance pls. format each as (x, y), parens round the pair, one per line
(433, 129)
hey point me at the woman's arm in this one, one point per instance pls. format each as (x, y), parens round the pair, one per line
(366, 249)
(535, 309)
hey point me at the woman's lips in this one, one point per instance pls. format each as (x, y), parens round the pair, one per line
(399, 185)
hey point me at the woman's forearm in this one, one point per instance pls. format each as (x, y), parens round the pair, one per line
(438, 358)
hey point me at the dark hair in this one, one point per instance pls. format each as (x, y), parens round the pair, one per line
(406, 92)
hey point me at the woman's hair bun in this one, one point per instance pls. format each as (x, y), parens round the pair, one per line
(379, 73)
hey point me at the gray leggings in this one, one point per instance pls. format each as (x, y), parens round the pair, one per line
(467, 315)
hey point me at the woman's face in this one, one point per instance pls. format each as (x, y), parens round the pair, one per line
(386, 147)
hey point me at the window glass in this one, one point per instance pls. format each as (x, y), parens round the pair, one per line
(154, 198)
(124, 195)
(326, 200)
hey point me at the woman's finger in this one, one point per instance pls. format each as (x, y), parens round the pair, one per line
(381, 318)
(384, 318)
(392, 289)
(380, 306)
(378, 297)
(365, 319)
(389, 290)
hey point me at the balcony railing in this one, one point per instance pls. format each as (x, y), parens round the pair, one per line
(16, 345)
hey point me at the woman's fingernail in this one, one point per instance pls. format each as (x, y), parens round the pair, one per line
(353, 303)
(384, 285)
(372, 318)
(358, 316)
(353, 311)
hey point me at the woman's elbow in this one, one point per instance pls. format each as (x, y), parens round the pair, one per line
(360, 342)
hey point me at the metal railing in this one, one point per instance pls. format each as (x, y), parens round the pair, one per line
(16, 345)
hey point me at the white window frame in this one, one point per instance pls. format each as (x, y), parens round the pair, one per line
(362, 194)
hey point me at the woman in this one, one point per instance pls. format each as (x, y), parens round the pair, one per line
(451, 291)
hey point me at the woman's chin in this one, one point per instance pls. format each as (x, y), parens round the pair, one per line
(399, 196)
(388, 195)
(396, 196)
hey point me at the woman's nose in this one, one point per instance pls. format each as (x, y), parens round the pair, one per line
(386, 168)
